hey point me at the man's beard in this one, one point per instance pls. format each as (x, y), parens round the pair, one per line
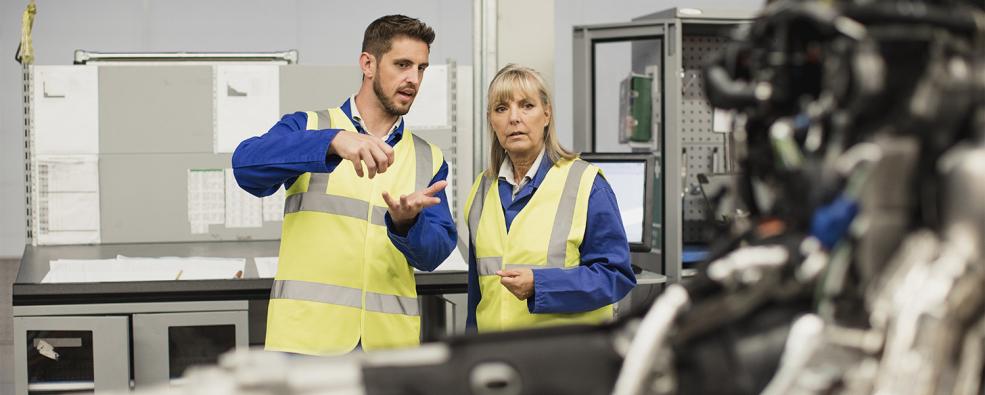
(388, 105)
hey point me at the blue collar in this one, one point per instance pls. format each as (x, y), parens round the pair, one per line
(397, 135)
(545, 166)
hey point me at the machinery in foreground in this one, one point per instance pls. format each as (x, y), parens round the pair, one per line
(855, 264)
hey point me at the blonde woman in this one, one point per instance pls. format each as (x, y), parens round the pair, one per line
(547, 245)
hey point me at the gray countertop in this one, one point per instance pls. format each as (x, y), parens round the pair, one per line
(29, 290)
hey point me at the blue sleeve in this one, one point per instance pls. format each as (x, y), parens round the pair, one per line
(473, 292)
(262, 164)
(604, 276)
(432, 237)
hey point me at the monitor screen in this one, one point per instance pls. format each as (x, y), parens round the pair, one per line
(627, 181)
(627, 174)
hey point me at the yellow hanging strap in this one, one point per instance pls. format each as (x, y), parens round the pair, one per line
(25, 52)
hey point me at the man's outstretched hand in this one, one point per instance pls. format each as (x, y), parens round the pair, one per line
(404, 211)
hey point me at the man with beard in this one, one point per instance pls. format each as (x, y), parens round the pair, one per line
(365, 205)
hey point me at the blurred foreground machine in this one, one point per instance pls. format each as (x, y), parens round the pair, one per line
(859, 269)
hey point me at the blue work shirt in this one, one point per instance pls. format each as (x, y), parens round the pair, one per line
(262, 164)
(604, 276)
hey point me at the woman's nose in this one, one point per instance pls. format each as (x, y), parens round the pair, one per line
(514, 116)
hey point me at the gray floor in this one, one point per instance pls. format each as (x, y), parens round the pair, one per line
(8, 271)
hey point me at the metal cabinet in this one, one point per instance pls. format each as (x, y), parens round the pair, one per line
(668, 48)
(88, 347)
(59, 354)
(164, 345)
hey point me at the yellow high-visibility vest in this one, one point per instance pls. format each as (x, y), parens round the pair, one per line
(545, 234)
(339, 278)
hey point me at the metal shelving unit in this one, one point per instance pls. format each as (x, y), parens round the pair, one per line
(671, 46)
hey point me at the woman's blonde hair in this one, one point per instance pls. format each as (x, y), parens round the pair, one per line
(510, 80)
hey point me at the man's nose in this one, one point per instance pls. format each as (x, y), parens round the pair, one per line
(413, 77)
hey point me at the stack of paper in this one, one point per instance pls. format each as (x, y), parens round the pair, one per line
(266, 266)
(124, 268)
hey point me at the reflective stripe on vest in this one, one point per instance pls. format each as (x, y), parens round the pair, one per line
(556, 248)
(315, 199)
(422, 153)
(344, 296)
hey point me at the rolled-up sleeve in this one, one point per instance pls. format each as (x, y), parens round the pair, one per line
(604, 275)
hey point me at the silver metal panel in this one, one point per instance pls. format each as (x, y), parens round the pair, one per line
(582, 139)
(316, 87)
(485, 63)
(28, 100)
(671, 250)
(150, 340)
(160, 109)
(111, 356)
(128, 308)
(144, 198)
(706, 15)
(465, 136)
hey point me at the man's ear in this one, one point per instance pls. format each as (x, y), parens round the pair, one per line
(367, 62)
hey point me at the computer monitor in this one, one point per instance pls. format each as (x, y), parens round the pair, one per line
(631, 176)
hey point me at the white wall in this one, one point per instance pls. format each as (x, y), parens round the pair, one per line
(324, 32)
(570, 13)
(526, 35)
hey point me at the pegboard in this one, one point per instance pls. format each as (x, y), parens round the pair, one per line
(703, 149)
(698, 159)
(696, 114)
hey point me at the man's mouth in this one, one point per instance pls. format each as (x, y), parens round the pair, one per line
(407, 93)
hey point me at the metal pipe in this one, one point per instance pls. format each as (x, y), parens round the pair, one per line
(85, 57)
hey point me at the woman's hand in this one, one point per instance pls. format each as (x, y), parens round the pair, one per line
(519, 282)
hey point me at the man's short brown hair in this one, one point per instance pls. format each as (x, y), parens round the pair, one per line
(380, 34)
